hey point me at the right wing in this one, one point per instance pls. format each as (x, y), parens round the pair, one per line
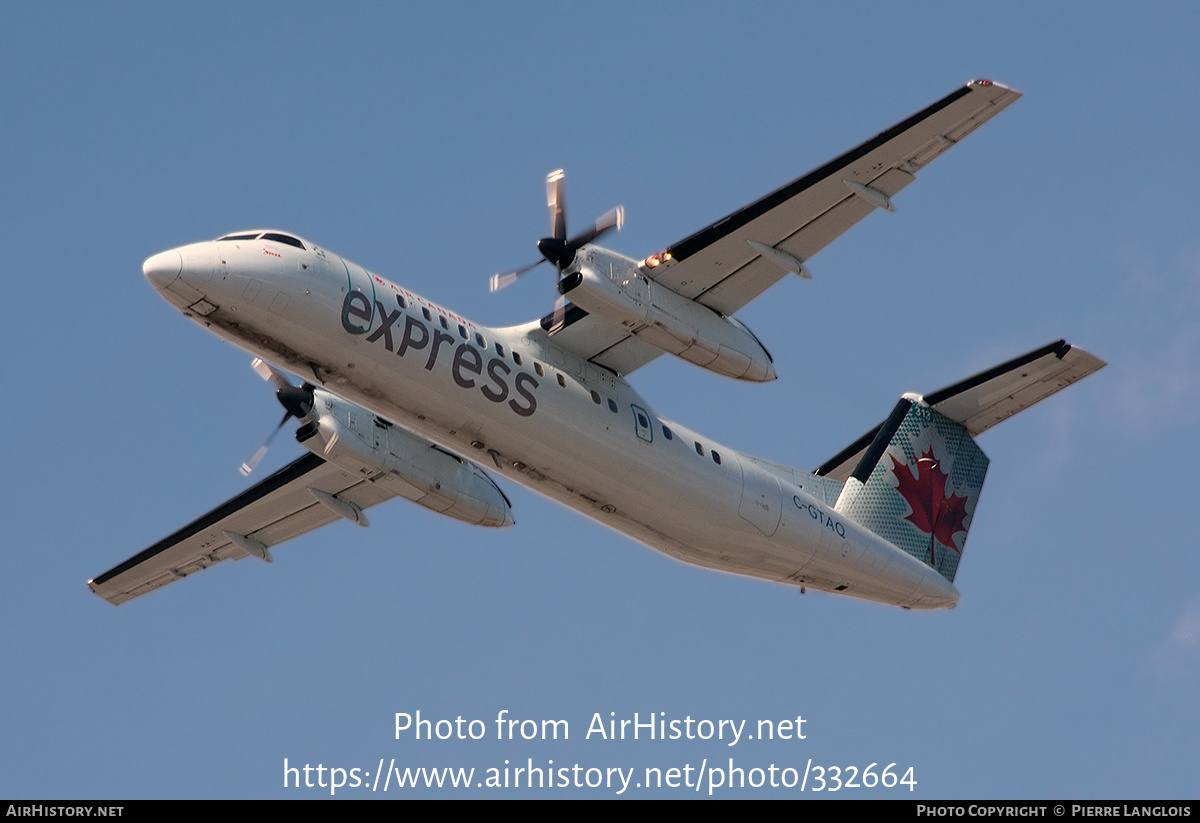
(729, 263)
(717, 266)
(276, 509)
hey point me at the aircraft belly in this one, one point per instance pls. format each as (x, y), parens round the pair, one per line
(582, 455)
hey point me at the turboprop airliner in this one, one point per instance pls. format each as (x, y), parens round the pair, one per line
(396, 396)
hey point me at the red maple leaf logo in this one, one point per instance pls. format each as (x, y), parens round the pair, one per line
(932, 512)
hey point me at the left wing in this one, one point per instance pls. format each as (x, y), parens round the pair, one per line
(276, 509)
(729, 263)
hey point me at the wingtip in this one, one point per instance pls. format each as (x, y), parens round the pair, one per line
(980, 83)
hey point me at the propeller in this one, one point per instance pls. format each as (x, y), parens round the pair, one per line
(297, 402)
(556, 248)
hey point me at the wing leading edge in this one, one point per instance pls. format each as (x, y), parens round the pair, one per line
(727, 264)
(276, 509)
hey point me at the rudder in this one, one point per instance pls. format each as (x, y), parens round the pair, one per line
(917, 485)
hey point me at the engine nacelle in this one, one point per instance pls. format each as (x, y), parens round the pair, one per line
(668, 320)
(410, 466)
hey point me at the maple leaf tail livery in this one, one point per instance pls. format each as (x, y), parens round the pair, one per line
(937, 472)
(404, 398)
(917, 476)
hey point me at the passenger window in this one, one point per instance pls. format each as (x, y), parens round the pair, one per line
(479, 339)
(537, 367)
(642, 421)
(517, 358)
(442, 320)
(499, 350)
(716, 456)
(612, 406)
(400, 300)
(425, 312)
(699, 449)
(667, 433)
(462, 331)
(561, 382)
(595, 397)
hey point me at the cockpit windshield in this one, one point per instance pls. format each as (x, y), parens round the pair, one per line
(265, 235)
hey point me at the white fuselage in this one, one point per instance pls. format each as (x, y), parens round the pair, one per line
(514, 402)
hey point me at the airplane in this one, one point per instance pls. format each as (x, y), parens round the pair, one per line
(404, 398)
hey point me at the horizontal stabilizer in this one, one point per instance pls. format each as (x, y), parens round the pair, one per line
(982, 401)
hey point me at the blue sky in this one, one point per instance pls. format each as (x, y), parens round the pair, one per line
(415, 142)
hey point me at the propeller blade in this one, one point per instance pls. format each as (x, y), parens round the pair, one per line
(560, 315)
(297, 401)
(562, 252)
(556, 248)
(556, 200)
(269, 373)
(499, 281)
(249, 465)
(612, 219)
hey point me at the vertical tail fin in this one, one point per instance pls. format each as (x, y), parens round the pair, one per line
(917, 485)
(917, 477)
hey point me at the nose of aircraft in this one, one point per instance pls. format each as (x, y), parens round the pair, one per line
(162, 269)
